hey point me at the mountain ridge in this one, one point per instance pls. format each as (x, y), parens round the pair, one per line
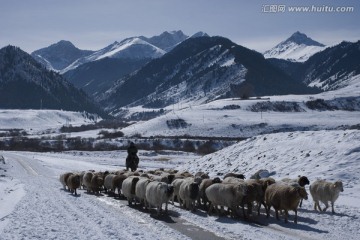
(26, 84)
(204, 67)
(59, 55)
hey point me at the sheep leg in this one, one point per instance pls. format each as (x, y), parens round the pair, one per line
(243, 210)
(259, 206)
(277, 214)
(300, 203)
(249, 208)
(267, 209)
(210, 209)
(286, 216)
(317, 206)
(295, 221)
(332, 207)
(326, 206)
(158, 211)
(193, 208)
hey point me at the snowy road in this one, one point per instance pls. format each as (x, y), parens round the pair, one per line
(38, 208)
(52, 213)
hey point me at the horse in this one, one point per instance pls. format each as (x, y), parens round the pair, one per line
(132, 162)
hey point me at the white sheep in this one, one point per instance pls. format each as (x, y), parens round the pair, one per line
(284, 197)
(231, 179)
(108, 183)
(128, 188)
(176, 184)
(188, 193)
(158, 193)
(203, 186)
(87, 180)
(140, 190)
(164, 177)
(228, 195)
(325, 192)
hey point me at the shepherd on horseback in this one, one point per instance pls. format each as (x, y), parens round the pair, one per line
(132, 160)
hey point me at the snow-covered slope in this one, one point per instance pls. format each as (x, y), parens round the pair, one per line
(133, 48)
(36, 120)
(316, 154)
(247, 118)
(296, 48)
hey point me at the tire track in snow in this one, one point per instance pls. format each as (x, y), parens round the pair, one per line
(172, 220)
(48, 212)
(24, 164)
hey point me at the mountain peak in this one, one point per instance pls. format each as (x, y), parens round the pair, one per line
(64, 43)
(298, 47)
(200, 34)
(167, 40)
(301, 38)
(59, 55)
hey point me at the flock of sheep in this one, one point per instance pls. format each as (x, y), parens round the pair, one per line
(232, 193)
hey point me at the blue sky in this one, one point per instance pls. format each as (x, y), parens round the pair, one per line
(94, 24)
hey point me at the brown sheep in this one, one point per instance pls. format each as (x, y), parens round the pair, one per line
(254, 193)
(203, 186)
(235, 175)
(97, 183)
(117, 183)
(202, 175)
(73, 182)
(300, 180)
(63, 179)
(183, 175)
(284, 197)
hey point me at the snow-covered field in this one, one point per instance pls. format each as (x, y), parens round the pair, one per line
(33, 121)
(217, 120)
(34, 206)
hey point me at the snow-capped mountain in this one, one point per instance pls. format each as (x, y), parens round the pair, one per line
(59, 55)
(96, 73)
(26, 84)
(331, 69)
(64, 56)
(298, 48)
(131, 48)
(98, 76)
(201, 69)
(167, 40)
(199, 34)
